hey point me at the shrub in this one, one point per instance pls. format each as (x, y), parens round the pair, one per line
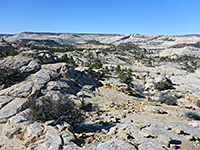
(71, 61)
(149, 63)
(192, 115)
(144, 76)
(125, 76)
(137, 77)
(163, 84)
(46, 108)
(130, 71)
(68, 60)
(90, 57)
(148, 73)
(97, 64)
(106, 69)
(118, 68)
(167, 99)
(13, 53)
(5, 53)
(64, 58)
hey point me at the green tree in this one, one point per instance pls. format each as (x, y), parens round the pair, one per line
(118, 69)
(71, 61)
(106, 69)
(125, 76)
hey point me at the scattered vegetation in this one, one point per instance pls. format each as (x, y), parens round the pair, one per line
(127, 46)
(69, 60)
(53, 50)
(190, 63)
(94, 42)
(13, 53)
(167, 99)
(6, 53)
(93, 62)
(197, 45)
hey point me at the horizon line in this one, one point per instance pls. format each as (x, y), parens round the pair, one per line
(52, 32)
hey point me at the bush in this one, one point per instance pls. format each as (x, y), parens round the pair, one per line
(13, 53)
(46, 108)
(68, 60)
(71, 61)
(167, 99)
(149, 63)
(125, 76)
(163, 84)
(192, 115)
(137, 77)
(5, 53)
(118, 68)
(106, 69)
(64, 58)
(97, 64)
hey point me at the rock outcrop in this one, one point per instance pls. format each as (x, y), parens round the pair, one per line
(48, 102)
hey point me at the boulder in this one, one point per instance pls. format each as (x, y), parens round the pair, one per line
(33, 66)
(152, 109)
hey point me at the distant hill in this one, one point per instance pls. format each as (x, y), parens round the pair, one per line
(5, 35)
(102, 41)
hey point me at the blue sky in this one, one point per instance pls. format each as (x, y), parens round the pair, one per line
(152, 17)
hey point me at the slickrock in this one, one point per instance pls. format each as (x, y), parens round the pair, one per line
(134, 92)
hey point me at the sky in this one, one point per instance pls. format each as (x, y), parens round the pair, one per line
(149, 17)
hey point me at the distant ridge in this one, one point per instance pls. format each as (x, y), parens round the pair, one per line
(52, 33)
(114, 39)
(6, 35)
(103, 34)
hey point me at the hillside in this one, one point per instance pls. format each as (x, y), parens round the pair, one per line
(70, 91)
